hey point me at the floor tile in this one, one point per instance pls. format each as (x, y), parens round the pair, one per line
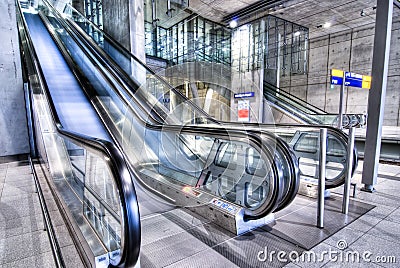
(42, 260)
(394, 216)
(23, 246)
(387, 230)
(364, 223)
(349, 236)
(71, 257)
(378, 248)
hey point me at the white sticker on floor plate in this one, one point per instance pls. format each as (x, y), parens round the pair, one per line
(223, 205)
(102, 261)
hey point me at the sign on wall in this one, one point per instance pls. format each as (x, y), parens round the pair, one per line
(243, 111)
(338, 77)
(243, 95)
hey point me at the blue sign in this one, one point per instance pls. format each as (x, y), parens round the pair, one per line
(336, 80)
(353, 80)
(350, 79)
(244, 95)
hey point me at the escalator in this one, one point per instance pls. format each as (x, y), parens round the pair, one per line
(149, 91)
(304, 112)
(88, 173)
(100, 143)
(195, 155)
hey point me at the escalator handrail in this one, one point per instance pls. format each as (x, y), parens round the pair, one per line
(130, 225)
(253, 137)
(144, 65)
(335, 132)
(291, 162)
(115, 76)
(295, 99)
(289, 108)
(286, 108)
(287, 154)
(312, 118)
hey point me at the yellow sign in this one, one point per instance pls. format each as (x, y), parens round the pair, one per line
(366, 81)
(337, 73)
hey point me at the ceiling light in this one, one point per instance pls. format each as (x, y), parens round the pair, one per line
(327, 25)
(297, 33)
(233, 23)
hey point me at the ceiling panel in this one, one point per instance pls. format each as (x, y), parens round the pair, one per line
(342, 14)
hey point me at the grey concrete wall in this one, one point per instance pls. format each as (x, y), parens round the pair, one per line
(136, 21)
(350, 51)
(116, 21)
(124, 21)
(79, 5)
(13, 126)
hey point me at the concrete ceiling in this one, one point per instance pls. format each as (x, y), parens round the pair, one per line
(216, 10)
(342, 14)
(213, 10)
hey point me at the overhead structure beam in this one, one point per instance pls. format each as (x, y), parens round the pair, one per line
(260, 6)
(377, 94)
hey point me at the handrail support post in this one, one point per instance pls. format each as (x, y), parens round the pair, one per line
(321, 177)
(349, 165)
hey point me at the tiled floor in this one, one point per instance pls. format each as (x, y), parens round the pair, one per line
(376, 234)
(24, 243)
(23, 240)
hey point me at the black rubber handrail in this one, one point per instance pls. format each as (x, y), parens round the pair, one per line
(274, 89)
(251, 136)
(307, 113)
(332, 131)
(121, 73)
(130, 224)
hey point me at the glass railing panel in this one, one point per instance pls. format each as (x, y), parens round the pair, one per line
(249, 189)
(101, 205)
